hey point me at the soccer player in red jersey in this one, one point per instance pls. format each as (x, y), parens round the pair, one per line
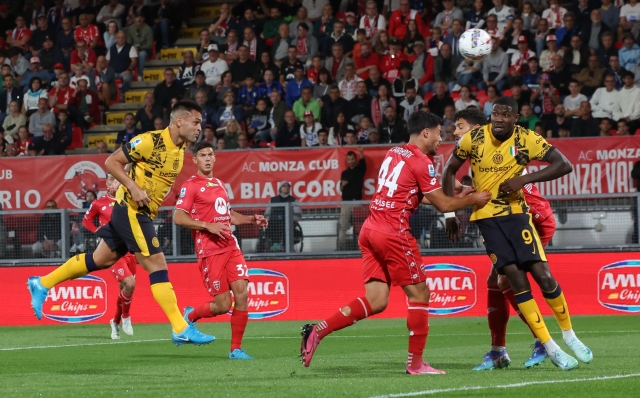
(203, 207)
(499, 293)
(124, 270)
(390, 255)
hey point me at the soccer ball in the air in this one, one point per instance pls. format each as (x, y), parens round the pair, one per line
(475, 44)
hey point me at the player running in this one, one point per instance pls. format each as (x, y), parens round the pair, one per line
(204, 208)
(390, 255)
(157, 158)
(498, 153)
(124, 270)
(499, 292)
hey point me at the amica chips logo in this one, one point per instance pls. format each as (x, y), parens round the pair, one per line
(453, 288)
(80, 300)
(619, 286)
(268, 293)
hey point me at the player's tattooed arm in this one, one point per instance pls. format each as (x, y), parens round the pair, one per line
(558, 167)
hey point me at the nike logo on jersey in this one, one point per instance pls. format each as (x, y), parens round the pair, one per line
(564, 310)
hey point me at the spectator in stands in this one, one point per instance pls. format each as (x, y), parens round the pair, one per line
(629, 53)
(50, 55)
(242, 141)
(249, 20)
(530, 79)
(492, 94)
(276, 216)
(198, 85)
(592, 32)
(306, 44)
(332, 104)
(627, 106)
(111, 12)
(351, 184)
(422, 69)
(229, 49)
(242, 67)
(168, 89)
(446, 17)
(404, 81)
(606, 129)
(231, 132)
(393, 129)
(503, 13)
(57, 13)
(574, 99)
(323, 25)
(607, 49)
(348, 86)
(410, 104)
(83, 55)
(13, 120)
(257, 121)
(289, 134)
(382, 46)
(468, 73)
(188, 69)
(337, 62)
(138, 7)
(276, 117)
(255, 45)
(495, 68)
(360, 105)
(123, 58)
(340, 128)
(202, 53)
(109, 36)
(159, 123)
(214, 67)
(448, 119)
(629, 15)
(338, 36)
(363, 129)
(623, 128)
(280, 46)
(309, 130)
(248, 94)
(64, 128)
(306, 103)
(323, 138)
(527, 119)
(576, 56)
(585, 125)
(227, 112)
(101, 147)
(87, 32)
(289, 65)
(140, 36)
(295, 86)
(453, 38)
(39, 35)
(35, 71)
(546, 57)
(465, 99)
(412, 36)
(272, 26)
(553, 124)
(604, 98)
(268, 85)
(87, 102)
(591, 77)
(372, 21)
(266, 64)
(49, 233)
(61, 94)
(130, 130)
(321, 88)
(225, 85)
(20, 36)
(610, 14)
(440, 100)
(223, 24)
(564, 131)
(559, 76)
(545, 97)
(33, 96)
(83, 8)
(390, 63)
(207, 110)
(48, 144)
(445, 66)
(6, 149)
(107, 78)
(520, 57)
(380, 104)
(617, 71)
(565, 33)
(65, 40)
(8, 94)
(541, 37)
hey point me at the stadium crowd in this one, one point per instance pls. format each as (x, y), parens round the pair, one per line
(317, 72)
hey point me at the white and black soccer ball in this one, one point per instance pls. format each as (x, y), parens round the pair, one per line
(475, 44)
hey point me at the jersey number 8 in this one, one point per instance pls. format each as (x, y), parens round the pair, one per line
(391, 181)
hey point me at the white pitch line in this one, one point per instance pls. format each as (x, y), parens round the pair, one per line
(297, 337)
(505, 386)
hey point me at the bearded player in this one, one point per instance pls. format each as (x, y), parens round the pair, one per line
(156, 158)
(499, 292)
(499, 153)
(390, 255)
(204, 208)
(124, 270)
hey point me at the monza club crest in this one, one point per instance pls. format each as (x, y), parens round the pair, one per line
(79, 300)
(619, 286)
(80, 178)
(453, 288)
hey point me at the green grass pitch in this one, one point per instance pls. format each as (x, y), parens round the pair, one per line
(362, 361)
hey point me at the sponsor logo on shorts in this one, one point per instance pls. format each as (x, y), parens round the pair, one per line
(79, 300)
(619, 286)
(453, 288)
(268, 293)
(497, 158)
(155, 242)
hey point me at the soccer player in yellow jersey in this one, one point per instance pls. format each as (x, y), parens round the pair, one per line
(498, 153)
(156, 158)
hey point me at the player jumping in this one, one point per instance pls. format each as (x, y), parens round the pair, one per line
(499, 152)
(499, 292)
(204, 208)
(124, 270)
(157, 159)
(390, 255)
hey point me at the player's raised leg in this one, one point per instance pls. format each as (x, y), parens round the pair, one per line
(555, 299)
(77, 266)
(418, 325)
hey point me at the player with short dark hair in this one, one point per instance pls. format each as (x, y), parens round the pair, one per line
(499, 153)
(390, 254)
(203, 207)
(124, 270)
(499, 292)
(157, 158)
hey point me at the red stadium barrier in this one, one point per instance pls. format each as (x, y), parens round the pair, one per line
(601, 165)
(594, 283)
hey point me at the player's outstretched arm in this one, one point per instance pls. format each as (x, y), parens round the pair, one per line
(452, 225)
(558, 167)
(241, 219)
(446, 204)
(116, 163)
(181, 218)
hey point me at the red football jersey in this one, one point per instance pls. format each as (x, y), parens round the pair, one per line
(206, 199)
(539, 207)
(405, 176)
(87, 34)
(101, 209)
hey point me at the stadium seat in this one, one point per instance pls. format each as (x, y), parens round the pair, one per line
(77, 140)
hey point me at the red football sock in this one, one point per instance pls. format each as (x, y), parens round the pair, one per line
(204, 311)
(418, 325)
(118, 316)
(508, 293)
(126, 303)
(238, 325)
(360, 309)
(497, 315)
